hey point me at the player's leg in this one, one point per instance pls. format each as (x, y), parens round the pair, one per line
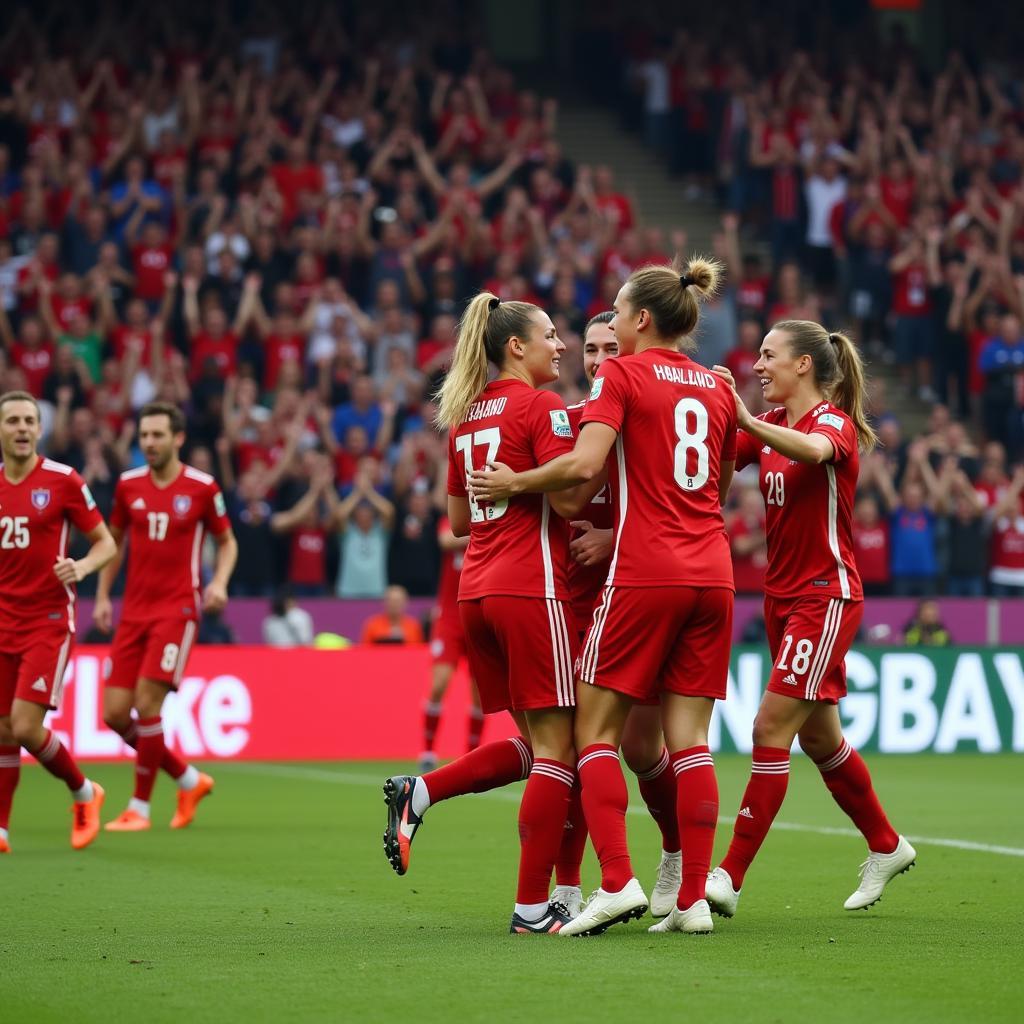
(476, 717)
(440, 677)
(10, 751)
(645, 754)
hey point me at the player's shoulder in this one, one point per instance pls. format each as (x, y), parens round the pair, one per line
(775, 416)
(197, 476)
(826, 414)
(575, 413)
(138, 473)
(53, 466)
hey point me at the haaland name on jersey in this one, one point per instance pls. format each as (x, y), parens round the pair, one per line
(481, 410)
(684, 375)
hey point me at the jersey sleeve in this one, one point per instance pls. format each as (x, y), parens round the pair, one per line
(119, 509)
(80, 506)
(456, 483)
(748, 449)
(216, 518)
(550, 431)
(608, 396)
(731, 443)
(839, 430)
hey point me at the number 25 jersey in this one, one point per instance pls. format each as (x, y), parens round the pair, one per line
(518, 547)
(676, 424)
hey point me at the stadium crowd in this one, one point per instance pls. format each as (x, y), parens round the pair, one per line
(277, 226)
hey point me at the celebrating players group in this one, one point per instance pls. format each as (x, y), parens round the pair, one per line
(596, 596)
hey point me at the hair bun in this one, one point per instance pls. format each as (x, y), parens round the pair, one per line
(493, 304)
(685, 281)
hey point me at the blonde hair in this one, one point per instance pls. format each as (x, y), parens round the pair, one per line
(838, 371)
(672, 295)
(484, 331)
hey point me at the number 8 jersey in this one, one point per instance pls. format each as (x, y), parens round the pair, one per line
(518, 547)
(678, 423)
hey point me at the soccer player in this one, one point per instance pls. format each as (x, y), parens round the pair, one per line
(164, 509)
(512, 595)
(643, 745)
(664, 624)
(447, 646)
(807, 454)
(40, 500)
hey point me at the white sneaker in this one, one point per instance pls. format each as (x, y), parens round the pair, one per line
(570, 897)
(877, 871)
(720, 894)
(604, 909)
(667, 880)
(694, 920)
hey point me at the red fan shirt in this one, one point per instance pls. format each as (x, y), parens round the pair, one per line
(451, 573)
(165, 527)
(676, 424)
(36, 516)
(223, 351)
(809, 508)
(517, 547)
(149, 264)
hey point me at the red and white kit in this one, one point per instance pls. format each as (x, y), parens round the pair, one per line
(671, 567)
(813, 596)
(447, 637)
(587, 581)
(164, 527)
(513, 591)
(37, 611)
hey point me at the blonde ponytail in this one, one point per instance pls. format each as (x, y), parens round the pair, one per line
(484, 330)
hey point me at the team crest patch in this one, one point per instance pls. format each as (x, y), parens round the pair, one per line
(90, 501)
(40, 498)
(218, 504)
(560, 423)
(831, 420)
(182, 503)
(595, 391)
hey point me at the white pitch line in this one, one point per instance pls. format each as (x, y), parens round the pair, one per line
(355, 779)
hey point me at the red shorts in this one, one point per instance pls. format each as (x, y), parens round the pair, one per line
(646, 640)
(520, 651)
(155, 650)
(32, 666)
(809, 638)
(447, 638)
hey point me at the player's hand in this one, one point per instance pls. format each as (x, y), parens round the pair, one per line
(67, 570)
(743, 416)
(592, 545)
(215, 597)
(493, 483)
(103, 614)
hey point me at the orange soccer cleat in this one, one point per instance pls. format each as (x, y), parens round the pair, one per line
(188, 801)
(85, 822)
(128, 821)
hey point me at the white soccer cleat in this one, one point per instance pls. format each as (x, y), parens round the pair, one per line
(694, 920)
(876, 873)
(570, 897)
(604, 909)
(721, 896)
(667, 880)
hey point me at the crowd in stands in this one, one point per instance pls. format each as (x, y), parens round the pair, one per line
(275, 221)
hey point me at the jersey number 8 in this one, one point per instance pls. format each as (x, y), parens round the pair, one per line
(691, 441)
(491, 437)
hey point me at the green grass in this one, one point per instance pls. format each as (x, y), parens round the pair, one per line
(278, 905)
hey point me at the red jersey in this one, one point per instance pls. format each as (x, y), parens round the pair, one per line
(150, 263)
(35, 363)
(1007, 552)
(223, 351)
(126, 339)
(676, 424)
(748, 570)
(306, 565)
(517, 547)
(871, 547)
(586, 581)
(809, 508)
(165, 527)
(451, 572)
(278, 350)
(36, 516)
(910, 295)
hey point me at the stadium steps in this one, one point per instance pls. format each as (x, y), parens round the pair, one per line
(591, 134)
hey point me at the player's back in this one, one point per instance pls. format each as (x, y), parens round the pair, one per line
(676, 424)
(518, 546)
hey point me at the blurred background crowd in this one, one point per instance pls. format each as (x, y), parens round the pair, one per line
(276, 218)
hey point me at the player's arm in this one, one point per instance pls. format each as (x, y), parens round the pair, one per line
(458, 516)
(580, 473)
(725, 475)
(215, 596)
(448, 541)
(103, 549)
(103, 609)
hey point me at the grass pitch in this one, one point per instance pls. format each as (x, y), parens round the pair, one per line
(278, 905)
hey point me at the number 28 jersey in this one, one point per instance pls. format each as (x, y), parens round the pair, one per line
(676, 424)
(518, 547)
(165, 527)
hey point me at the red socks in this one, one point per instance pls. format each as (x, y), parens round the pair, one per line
(697, 811)
(574, 841)
(10, 772)
(605, 799)
(53, 756)
(170, 762)
(658, 788)
(488, 767)
(476, 728)
(849, 782)
(149, 754)
(431, 718)
(762, 799)
(541, 825)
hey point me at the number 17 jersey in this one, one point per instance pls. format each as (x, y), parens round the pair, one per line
(676, 424)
